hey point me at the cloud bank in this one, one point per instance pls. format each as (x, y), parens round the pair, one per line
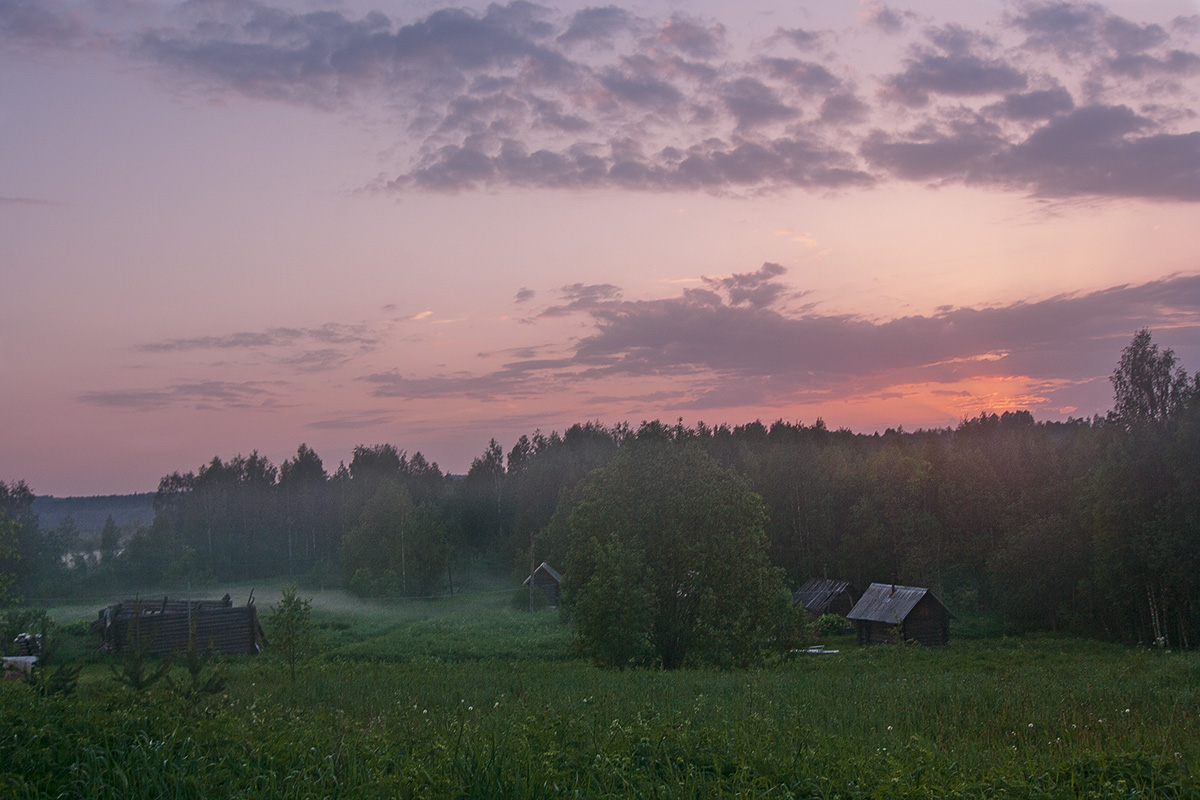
(736, 343)
(1055, 99)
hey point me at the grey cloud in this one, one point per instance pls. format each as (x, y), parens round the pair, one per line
(599, 25)
(26, 201)
(734, 352)
(844, 109)
(926, 154)
(582, 297)
(524, 295)
(331, 333)
(802, 39)
(1036, 105)
(1036, 338)
(1100, 151)
(1129, 37)
(753, 104)
(323, 57)
(1063, 27)
(513, 381)
(692, 38)
(42, 24)
(352, 422)
(203, 395)
(714, 165)
(756, 289)
(316, 360)
(888, 19)
(641, 90)
(550, 114)
(1140, 65)
(1093, 151)
(806, 76)
(959, 75)
(521, 95)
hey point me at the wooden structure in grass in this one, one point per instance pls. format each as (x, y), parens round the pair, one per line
(165, 625)
(547, 580)
(887, 613)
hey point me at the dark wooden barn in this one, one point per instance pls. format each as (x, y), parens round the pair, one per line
(548, 582)
(887, 613)
(825, 596)
(164, 626)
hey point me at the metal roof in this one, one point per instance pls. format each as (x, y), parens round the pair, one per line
(886, 602)
(549, 570)
(817, 593)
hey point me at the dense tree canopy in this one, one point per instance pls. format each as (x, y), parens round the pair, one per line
(667, 562)
(1092, 525)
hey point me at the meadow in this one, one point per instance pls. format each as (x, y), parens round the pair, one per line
(465, 697)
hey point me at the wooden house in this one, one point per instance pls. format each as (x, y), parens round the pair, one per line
(165, 626)
(888, 613)
(824, 596)
(548, 582)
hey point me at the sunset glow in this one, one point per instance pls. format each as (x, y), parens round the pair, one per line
(229, 226)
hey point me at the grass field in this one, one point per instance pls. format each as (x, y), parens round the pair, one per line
(464, 697)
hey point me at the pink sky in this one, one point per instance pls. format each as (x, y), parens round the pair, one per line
(229, 226)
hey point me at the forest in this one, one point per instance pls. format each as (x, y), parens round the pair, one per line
(1089, 525)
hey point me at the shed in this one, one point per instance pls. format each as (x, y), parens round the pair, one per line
(165, 626)
(888, 613)
(548, 581)
(825, 596)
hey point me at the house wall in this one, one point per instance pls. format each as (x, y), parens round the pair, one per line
(928, 623)
(548, 586)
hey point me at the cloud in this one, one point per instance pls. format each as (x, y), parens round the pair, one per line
(692, 38)
(952, 69)
(1035, 105)
(330, 333)
(1096, 150)
(582, 297)
(800, 38)
(40, 24)
(200, 395)
(599, 25)
(522, 95)
(755, 289)
(732, 344)
(369, 419)
(714, 165)
(26, 201)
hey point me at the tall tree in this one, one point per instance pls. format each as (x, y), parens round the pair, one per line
(667, 552)
(1148, 386)
(307, 512)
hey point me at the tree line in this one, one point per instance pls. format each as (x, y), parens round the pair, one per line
(1089, 524)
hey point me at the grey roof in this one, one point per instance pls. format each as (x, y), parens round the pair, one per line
(885, 602)
(549, 570)
(817, 593)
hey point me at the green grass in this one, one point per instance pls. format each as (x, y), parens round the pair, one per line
(464, 698)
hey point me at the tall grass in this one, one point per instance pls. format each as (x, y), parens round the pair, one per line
(470, 699)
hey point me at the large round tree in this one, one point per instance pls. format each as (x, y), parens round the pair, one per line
(667, 563)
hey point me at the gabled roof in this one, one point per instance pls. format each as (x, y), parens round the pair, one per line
(817, 593)
(885, 602)
(549, 570)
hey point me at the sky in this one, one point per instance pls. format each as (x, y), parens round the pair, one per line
(229, 226)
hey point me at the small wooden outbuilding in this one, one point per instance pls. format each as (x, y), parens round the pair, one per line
(165, 626)
(548, 582)
(825, 596)
(887, 613)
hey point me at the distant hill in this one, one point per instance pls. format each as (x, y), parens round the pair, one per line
(90, 513)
